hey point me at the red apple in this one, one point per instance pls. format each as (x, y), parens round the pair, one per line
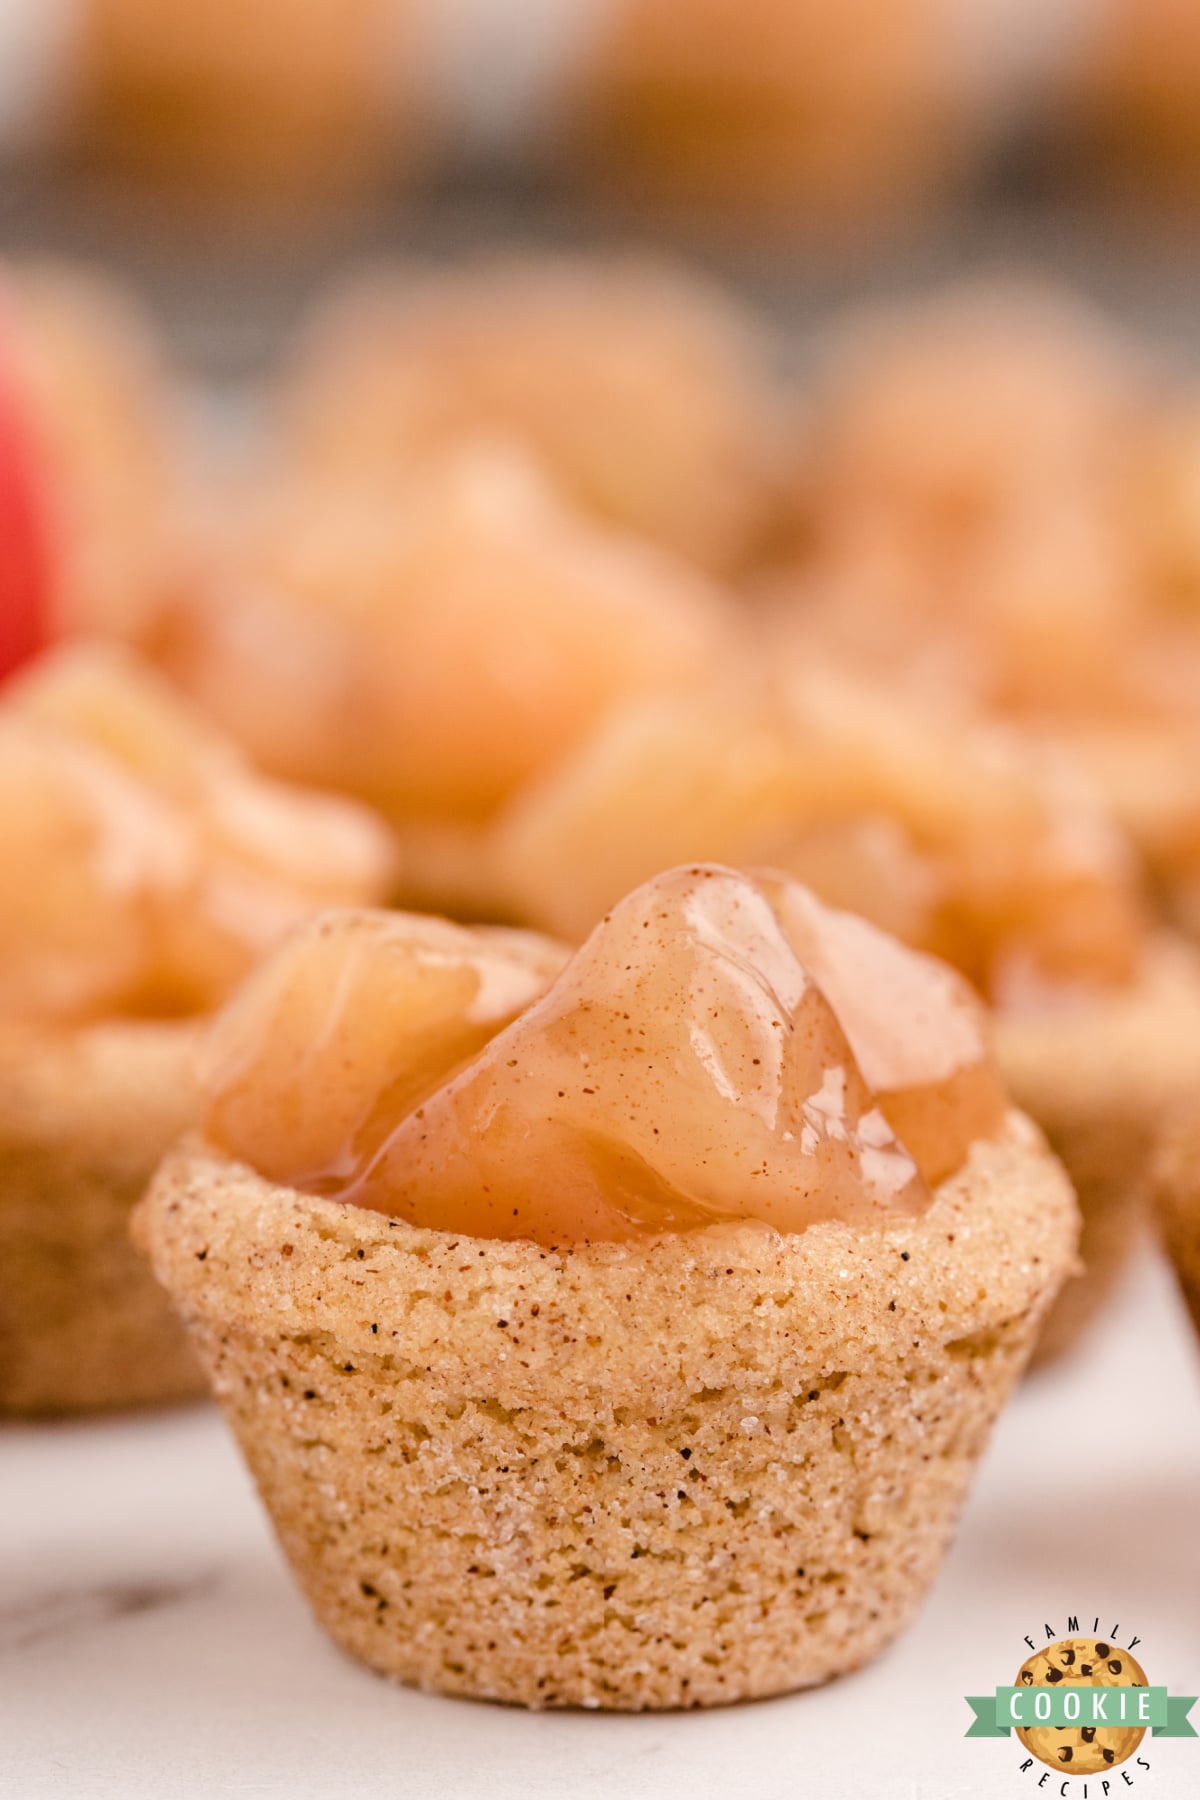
(24, 548)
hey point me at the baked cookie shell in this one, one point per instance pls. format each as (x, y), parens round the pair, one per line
(669, 1473)
(1100, 1080)
(85, 1116)
(1177, 1193)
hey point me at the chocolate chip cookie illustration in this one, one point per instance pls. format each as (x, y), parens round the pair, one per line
(1084, 1662)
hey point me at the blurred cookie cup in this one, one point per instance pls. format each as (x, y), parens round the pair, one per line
(1130, 99)
(1101, 1077)
(429, 643)
(778, 115)
(1177, 1192)
(254, 108)
(85, 1117)
(636, 1361)
(994, 498)
(641, 389)
(149, 868)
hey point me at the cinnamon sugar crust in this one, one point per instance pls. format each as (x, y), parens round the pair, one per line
(1177, 1193)
(670, 1472)
(1100, 1081)
(85, 1115)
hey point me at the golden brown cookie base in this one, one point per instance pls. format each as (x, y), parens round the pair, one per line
(1177, 1192)
(1099, 1081)
(85, 1117)
(671, 1473)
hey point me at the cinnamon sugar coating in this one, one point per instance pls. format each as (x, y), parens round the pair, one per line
(673, 1472)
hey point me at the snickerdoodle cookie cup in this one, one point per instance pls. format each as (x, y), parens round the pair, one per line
(148, 869)
(1102, 1079)
(672, 1472)
(613, 1329)
(85, 1116)
(1177, 1192)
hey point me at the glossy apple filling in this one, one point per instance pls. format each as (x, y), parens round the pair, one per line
(959, 840)
(722, 1047)
(147, 867)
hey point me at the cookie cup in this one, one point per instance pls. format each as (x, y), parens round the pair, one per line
(1100, 1079)
(85, 1117)
(1177, 1193)
(676, 1472)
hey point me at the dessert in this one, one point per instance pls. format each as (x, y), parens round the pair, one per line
(253, 101)
(430, 644)
(642, 390)
(968, 406)
(149, 869)
(950, 835)
(975, 852)
(89, 420)
(1177, 1191)
(1100, 1073)
(1131, 95)
(998, 500)
(774, 111)
(638, 1355)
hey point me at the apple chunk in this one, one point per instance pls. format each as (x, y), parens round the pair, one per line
(349, 1024)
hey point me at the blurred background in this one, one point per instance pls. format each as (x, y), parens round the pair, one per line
(227, 157)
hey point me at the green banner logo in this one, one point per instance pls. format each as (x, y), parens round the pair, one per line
(1056, 1708)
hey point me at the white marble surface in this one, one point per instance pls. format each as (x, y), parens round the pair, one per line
(151, 1643)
